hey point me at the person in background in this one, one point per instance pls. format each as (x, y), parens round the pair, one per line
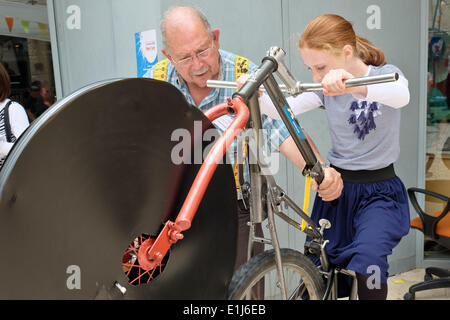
(47, 96)
(34, 103)
(15, 116)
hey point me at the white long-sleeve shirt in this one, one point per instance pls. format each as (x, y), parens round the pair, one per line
(392, 94)
(18, 120)
(364, 131)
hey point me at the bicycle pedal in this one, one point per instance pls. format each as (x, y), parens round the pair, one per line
(312, 248)
(324, 223)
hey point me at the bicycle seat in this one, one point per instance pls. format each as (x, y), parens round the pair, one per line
(95, 172)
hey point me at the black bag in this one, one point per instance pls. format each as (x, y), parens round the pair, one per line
(8, 132)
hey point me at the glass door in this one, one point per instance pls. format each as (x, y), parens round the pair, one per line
(438, 111)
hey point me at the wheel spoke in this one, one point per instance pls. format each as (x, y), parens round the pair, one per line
(303, 279)
(298, 292)
(136, 274)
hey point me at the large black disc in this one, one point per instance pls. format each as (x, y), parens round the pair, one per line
(92, 174)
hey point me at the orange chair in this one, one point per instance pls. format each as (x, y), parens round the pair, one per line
(436, 226)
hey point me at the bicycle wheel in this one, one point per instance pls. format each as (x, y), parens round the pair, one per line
(258, 279)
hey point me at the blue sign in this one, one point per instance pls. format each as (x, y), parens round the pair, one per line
(146, 51)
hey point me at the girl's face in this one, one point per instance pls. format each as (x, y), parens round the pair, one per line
(319, 62)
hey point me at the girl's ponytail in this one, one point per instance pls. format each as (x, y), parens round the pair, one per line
(369, 53)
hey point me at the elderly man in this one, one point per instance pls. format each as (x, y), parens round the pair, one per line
(194, 56)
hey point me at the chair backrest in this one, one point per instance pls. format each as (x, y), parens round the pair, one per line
(435, 224)
(439, 186)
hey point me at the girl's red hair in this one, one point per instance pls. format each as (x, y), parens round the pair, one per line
(332, 32)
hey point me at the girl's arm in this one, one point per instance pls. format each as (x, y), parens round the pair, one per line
(304, 102)
(392, 94)
(332, 184)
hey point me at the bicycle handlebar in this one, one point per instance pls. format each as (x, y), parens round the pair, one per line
(311, 87)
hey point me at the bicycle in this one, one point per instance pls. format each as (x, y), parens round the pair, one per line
(264, 195)
(278, 265)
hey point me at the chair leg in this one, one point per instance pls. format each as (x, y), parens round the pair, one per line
(427, 285)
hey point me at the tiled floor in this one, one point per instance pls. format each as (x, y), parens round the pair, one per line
(399, 284)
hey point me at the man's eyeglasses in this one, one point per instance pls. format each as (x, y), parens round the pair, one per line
(200, 55)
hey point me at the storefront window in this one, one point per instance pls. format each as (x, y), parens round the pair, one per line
(25, 51)
(438, 103)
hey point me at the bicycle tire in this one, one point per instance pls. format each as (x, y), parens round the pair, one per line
(248, 276)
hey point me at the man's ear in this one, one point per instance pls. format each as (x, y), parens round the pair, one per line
(164, 52)
(216, 34)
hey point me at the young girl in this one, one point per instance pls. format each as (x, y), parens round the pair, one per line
(372, 213)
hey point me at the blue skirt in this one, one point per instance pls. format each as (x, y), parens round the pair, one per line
(366, 224)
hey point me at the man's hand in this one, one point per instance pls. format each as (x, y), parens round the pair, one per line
(331, 186)
(243, 79)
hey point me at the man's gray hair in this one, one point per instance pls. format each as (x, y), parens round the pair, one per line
(199, 13)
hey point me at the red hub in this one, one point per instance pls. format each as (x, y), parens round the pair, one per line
(136, 272)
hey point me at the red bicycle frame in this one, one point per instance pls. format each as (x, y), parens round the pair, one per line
(151, 253)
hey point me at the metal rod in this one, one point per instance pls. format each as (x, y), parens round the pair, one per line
(354, 82)
(282, 71)
(310, 87)
(276, 247)
(291, 203)
(233, 85)
(291, 124)
(256, 79)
